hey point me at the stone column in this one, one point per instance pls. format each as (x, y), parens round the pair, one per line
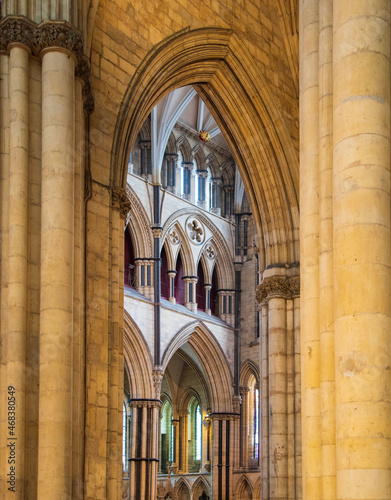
(183, 448)
(188, 297)
(145, 159)
(15, 347)
(223, 424)
(171, 162)
(208, 422)
(4, 248)
(215, 183)
(172, 275)
(326, 312)
(309, 246)
(175, 430)
(362, 274)
(229, 201)
(297, 394)
(201, 194)
(193, 288)
(120, 209)
(207, 287)
(56, 316)
(157, 233)
(244, 423)
(279, 362)
(143, 463)
(264, 395)
(186, 188)
(278, 441)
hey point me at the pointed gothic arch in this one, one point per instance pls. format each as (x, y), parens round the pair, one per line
(213, 361)
(139, 226)
(182, 248)
(184, 147)
(218, 65)
(200, 485)
(244, 489)
(182, 487)
(248, 369)
(137, 360)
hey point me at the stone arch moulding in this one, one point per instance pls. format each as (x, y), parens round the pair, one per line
(183, 247)
(212, 359)
(182, 483)
(226, 275)
(216, 63)
(138, 361)
(241, 487)
(199, 485)
(139, 225)
(247, 369)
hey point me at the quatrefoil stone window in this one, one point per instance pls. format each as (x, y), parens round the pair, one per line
(195, 231)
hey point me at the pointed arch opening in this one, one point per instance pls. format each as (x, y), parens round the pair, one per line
(215, 62)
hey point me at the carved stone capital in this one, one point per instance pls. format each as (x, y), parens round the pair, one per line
(145, 403)
(202, 173)
(121, 202)
(244, 389)
(145, 144)
(171, 157)
(157, 232)
(55, 34)
(225, 416)
(278, 286)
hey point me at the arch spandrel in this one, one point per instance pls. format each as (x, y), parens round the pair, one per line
(216, 63)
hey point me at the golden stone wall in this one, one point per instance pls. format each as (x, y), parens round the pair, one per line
(61, 224)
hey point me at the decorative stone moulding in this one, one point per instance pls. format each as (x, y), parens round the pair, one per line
(37, 37)
(145, 403)
(278, 286)
(157, 232)
(195, 231)
(121, 202)
(210, 252)
(174, 237)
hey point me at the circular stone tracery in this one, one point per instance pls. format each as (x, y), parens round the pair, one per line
(195, 231)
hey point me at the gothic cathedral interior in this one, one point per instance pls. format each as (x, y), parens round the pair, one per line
(195, 250)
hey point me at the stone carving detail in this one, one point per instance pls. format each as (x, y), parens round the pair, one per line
(121, 202)
(195, 231)
(295, 286)
(157, 375)
(37, 37)
(83, 72)
(210, 252)
(225, 416)
(236, 402)
(145, 403)
(157, 232)
(278, 286)
(174, 237)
